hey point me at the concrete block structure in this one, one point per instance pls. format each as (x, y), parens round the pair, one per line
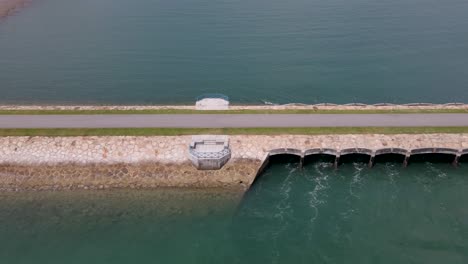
(212, 102)
(209, 152)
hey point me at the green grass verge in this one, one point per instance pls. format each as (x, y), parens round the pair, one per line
(228, 131)
(249, 111)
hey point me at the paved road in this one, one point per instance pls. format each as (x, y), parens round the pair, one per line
(220, 121)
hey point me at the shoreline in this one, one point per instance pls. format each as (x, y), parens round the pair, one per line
(8, 7)
(292, 106)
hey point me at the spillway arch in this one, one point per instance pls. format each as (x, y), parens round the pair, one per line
(464, 153)
(360, 151)
(392, 151)
(405, 154)
(292, 152)
(360, 154)
(464, 156)
(447, 154)
(285, 151)
(321, 151)
(448, 151)
(323, 154)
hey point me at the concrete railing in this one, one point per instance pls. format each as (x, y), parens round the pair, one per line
(210, 155)
(349, 151)
(397, 151)
(286, 151)
(320, 151)
(435, 151)
(209, 160)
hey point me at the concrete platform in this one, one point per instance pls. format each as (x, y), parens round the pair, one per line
(212, 102)
(209, 152)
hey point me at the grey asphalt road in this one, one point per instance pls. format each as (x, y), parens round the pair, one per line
(227, 120)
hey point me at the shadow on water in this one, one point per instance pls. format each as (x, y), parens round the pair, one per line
(463, 160)
(432, 158)
(389, 158)
(354, 158)
(118, 226)
(284, 159)
(319, 158)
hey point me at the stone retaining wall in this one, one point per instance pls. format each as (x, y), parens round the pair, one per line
(322, 106)
(141, 162)
(70, 176)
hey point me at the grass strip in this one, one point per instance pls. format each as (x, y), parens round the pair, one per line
(228, 131)
(246, 111)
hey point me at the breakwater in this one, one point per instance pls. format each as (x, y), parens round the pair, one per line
(41, 163)
(290, 106)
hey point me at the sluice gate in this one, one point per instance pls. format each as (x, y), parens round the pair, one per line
(370, 156)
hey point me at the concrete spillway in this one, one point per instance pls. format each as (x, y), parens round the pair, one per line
(456, 154)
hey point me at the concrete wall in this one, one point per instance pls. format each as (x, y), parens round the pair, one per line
(321, 106)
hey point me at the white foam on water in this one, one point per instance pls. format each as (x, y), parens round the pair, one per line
(393, 172)
(356, 181)
(283, 210)
(437, 171)
(317, 195)
(265, 102)
(285, 190)
(427, 178)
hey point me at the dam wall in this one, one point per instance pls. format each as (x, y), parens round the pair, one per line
(43, 163)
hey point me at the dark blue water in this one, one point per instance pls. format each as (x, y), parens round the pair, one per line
(170, 51)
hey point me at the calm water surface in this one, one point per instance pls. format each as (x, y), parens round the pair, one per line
(316, 215)
(170, 51)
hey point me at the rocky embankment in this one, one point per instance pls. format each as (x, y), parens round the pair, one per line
(54, 163)
(324, 106)
(45, 163)
(93, 176)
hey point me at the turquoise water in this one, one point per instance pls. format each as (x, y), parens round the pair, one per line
(257, 51)
(313, 215)
(170, 51)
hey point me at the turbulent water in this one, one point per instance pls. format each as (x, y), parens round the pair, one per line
(170, 51)
(313, 215)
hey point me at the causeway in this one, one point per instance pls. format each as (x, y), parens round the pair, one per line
(233, 120)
